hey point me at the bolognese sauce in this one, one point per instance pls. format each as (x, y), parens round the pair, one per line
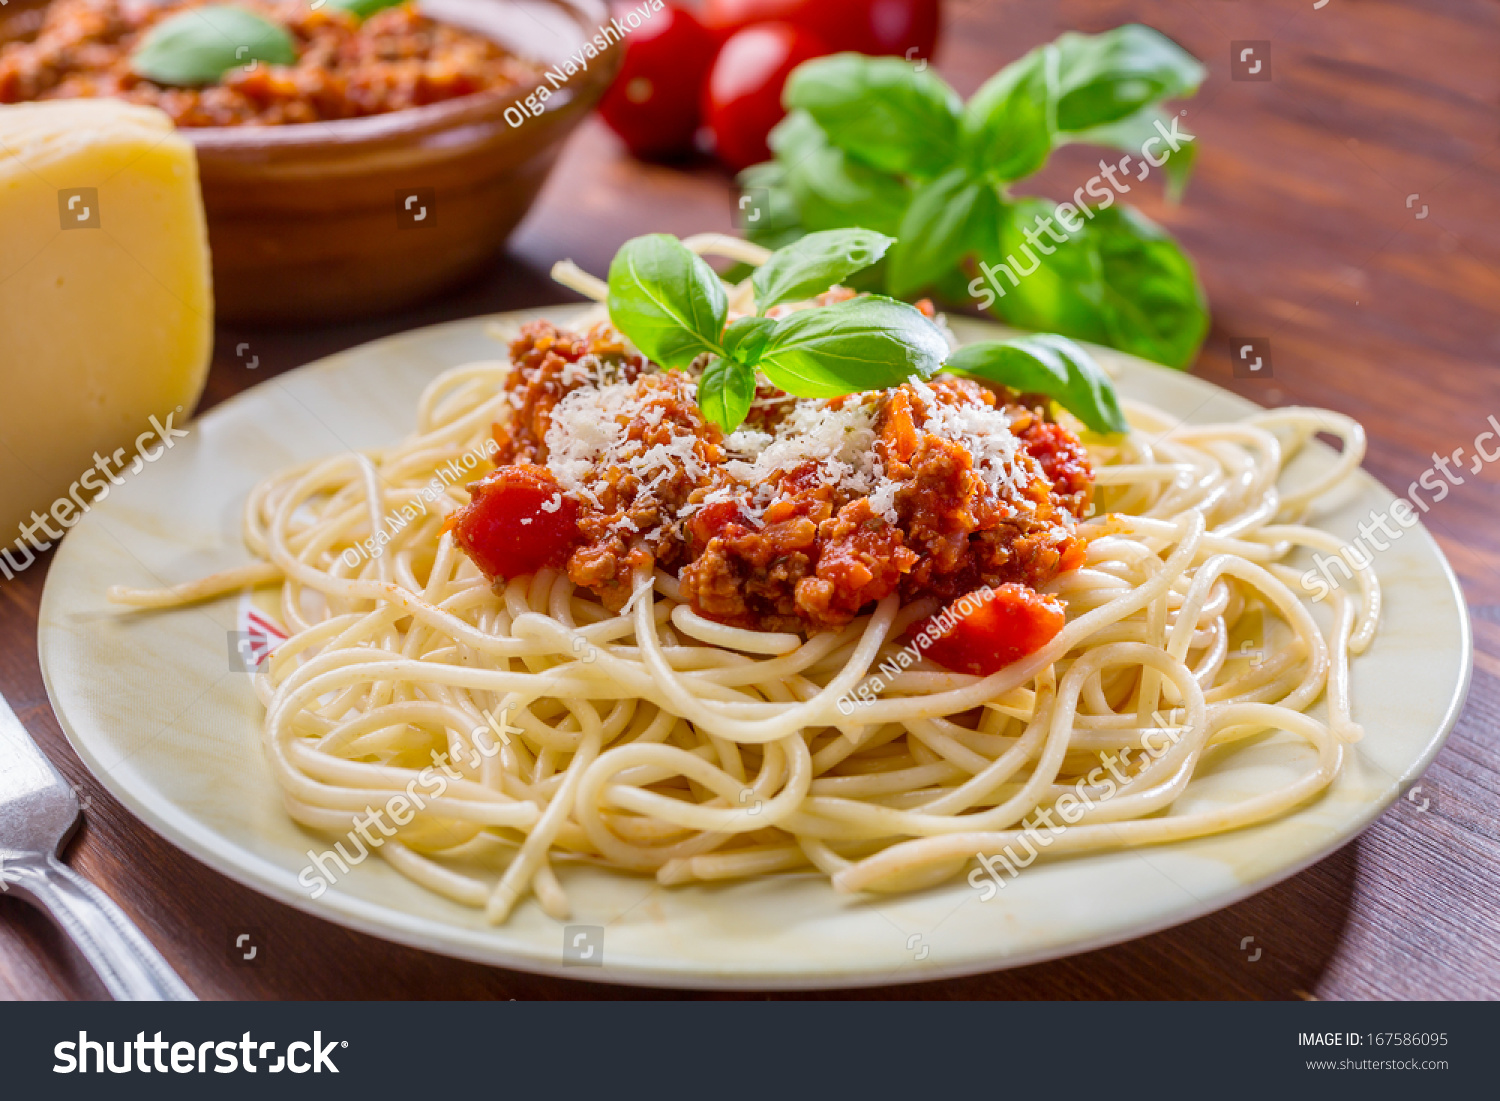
(345, 67)
(806, 514)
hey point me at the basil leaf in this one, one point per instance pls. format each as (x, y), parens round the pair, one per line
(725, 391)
(865, 343)
(952, 285)
(1047, 364)
(1009, 123)
(1155, 305)
(1032, 295)
(944, 220)
(1103, 78)
(1118, 280)
(832, 189)
(200, 45)
(795, 136)
(815, 263)
(769, 213)
(666, 299)
(746, 338)
(363, 9)
(882, 110)
(1157, 130)
(764, 174)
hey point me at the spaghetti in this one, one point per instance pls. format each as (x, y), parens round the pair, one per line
(658, 740)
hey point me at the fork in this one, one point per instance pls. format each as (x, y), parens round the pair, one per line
(38, 813)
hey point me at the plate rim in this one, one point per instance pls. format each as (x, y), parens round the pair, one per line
(389, 923)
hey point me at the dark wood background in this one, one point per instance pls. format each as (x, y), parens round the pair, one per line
(1305, 218)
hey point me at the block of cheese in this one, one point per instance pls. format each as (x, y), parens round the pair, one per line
(106, 308)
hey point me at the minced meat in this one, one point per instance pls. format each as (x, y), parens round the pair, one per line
(813, 509)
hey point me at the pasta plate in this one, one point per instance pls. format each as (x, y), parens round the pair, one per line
(160, 708)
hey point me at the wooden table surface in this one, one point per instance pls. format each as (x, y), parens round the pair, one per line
(1346, 209)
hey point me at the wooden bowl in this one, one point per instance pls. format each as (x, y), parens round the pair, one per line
(324, 221)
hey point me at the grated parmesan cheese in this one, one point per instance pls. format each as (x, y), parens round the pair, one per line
(584, 370)
(840, 441)
(590, 429)
(984, 432)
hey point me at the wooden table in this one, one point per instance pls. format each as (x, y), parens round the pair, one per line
(1346, 209)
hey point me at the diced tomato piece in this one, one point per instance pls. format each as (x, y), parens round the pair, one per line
(713, 520)
(985, 631)
(517, 521)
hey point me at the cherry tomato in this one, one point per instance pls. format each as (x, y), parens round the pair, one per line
(516, 522)
(985, 632)
(653, 104)
(899, 27)
(742, 100)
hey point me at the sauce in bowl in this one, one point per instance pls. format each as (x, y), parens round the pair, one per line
(345, 68)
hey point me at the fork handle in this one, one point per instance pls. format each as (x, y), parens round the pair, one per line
(125, 960)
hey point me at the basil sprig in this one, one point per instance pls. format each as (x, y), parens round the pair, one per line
(200, 45)
(875, 142)
(673, 307)
(1044, 363)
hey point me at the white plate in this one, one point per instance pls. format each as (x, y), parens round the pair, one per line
(150, 704)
